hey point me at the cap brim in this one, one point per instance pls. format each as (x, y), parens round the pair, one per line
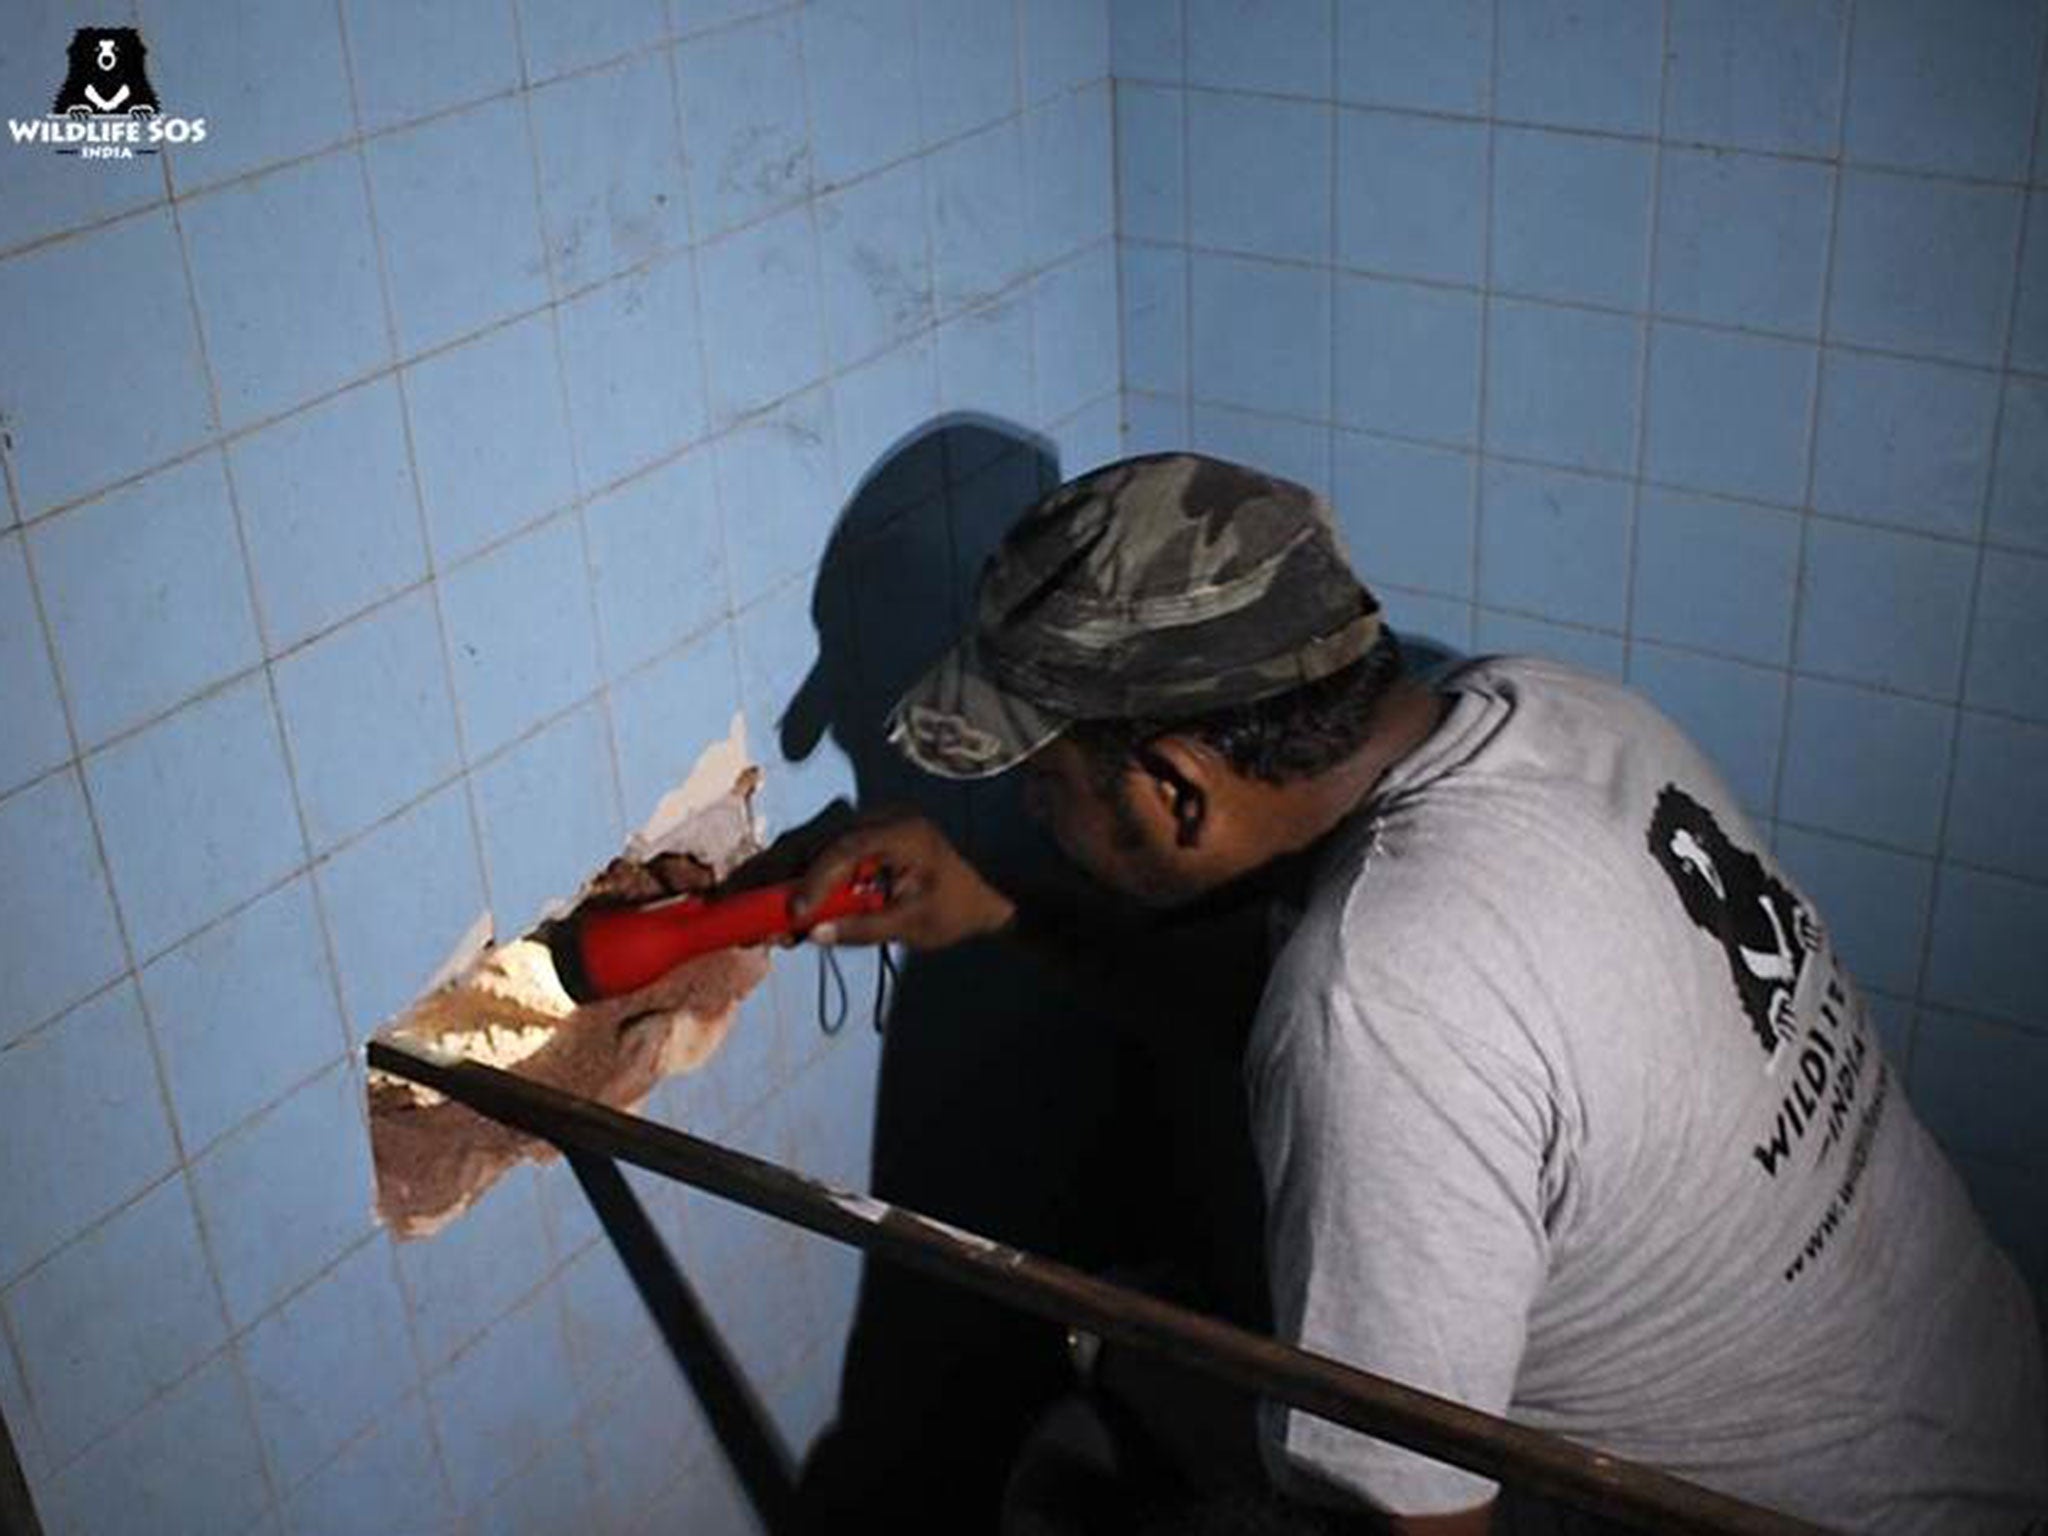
(957, 723)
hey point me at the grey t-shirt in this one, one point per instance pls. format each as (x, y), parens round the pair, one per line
(1568, 1110)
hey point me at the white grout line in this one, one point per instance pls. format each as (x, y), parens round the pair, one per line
(721, 510)
(841, 470)
(668, 38)
(1332, 250)
(735, 1129)
(1033, 289)
(1389, 276)
(1813, 418)
(1575, 130)
(7, 473)
(1647, 311)
(581, 502)
(1120, 246)
(1696, 492)
(1482, 454)
(440, 114)
(1017, 287)
(231, 1341)
(272, 1478)
(1925, 960)
(131, 973)
(1020, 94)
(711, 630)
(697, 242)
(599, 658)
(234, 1338)
(672, 38)
(1646, 334)
(408, 1306)
(347, 844)
(695, 636)
(1187, 228)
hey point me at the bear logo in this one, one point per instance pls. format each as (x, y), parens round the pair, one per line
(1762, 928)
(107, 75)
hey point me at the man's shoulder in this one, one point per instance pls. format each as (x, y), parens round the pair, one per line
(1524, 729)
(1513, 864)
(1391, 936)
(1539, 676)
(1545, 697)
(1538, 770)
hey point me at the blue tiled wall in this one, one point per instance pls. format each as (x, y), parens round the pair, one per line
(445, 450)
(1703, 343)
(401, 488)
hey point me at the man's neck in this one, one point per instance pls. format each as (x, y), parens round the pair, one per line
(1405, 719)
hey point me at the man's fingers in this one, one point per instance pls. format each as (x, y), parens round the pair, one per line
(836, 865)
(862, 928)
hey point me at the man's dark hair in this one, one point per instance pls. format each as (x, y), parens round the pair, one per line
(1293, 735)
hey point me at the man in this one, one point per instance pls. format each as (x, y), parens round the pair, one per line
(1565, 1105)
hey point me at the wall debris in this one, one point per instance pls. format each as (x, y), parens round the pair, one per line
(504, 1005)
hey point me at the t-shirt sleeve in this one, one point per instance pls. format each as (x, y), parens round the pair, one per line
(1401, 1125)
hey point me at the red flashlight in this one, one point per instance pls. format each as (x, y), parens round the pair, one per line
(610, 951)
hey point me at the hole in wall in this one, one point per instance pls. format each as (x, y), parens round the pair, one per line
(506, 1005)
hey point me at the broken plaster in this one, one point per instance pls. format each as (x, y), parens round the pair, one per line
(503, 1005)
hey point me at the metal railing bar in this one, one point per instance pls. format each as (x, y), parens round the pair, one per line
(1435, 1426)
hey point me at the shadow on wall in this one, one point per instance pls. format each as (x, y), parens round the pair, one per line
(1012, 1101)
(1104, 1128)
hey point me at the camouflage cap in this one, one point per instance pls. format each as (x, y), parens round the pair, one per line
(1159, 587)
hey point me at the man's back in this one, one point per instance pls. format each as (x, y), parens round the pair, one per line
(1568, 1109)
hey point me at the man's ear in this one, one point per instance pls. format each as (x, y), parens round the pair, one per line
(1181, 774)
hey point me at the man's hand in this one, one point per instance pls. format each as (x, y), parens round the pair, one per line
(936, 898)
